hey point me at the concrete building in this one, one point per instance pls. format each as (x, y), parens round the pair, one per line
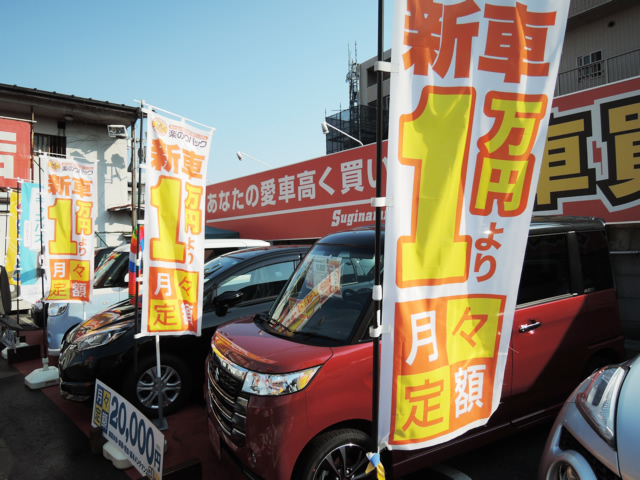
(77, 127)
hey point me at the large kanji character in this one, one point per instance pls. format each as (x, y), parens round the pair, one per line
(435, 33)
(516, 42)
(163, 156)
(192, 164)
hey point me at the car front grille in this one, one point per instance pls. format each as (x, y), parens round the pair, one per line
(226, 401)
(569, 442)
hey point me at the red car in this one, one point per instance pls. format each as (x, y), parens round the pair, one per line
(292, 400)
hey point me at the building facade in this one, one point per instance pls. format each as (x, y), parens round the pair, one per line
(77, 127)
(601, 46)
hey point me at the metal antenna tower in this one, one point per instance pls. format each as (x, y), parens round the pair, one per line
(353, 77)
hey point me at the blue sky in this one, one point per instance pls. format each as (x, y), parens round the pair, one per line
(263, 74)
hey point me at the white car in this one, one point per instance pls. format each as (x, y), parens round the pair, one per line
(597, 432)
(111, 286)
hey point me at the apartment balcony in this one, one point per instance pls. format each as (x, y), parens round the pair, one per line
(609, 70)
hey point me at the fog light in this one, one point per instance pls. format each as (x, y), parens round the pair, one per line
(567, 472)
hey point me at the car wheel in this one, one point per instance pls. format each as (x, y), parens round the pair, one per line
(176, 379)
(341, 454)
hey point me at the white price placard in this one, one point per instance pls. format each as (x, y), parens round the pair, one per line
(133, 433)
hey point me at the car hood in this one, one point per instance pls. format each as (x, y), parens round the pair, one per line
(248, 346)
(628, 423)
(120, 312)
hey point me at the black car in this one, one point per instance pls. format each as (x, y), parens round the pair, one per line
(236, 284)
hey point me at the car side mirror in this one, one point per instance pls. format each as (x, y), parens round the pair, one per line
(226, 300)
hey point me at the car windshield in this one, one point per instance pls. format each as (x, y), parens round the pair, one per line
(327, 293)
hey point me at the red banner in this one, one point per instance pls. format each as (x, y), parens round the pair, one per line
(305, 200)
(15, 152)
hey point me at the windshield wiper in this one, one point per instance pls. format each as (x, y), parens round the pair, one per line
(316, 335)
(273, 323)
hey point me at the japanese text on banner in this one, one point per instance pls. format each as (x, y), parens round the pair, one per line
(468, 119)
(69, 210)
(173, 257)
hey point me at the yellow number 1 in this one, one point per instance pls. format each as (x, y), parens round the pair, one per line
(166, 197)
(434, 140)
(60, 213)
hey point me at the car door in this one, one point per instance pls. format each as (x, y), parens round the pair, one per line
(260, 283)
(544, 344)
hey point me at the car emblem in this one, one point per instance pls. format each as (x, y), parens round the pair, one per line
(216, 375)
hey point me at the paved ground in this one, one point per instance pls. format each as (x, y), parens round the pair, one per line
(38, 440)
(43, 436)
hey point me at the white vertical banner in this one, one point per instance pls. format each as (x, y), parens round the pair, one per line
(470, 106)
(173, 257)
(30, 242)
(69, 212)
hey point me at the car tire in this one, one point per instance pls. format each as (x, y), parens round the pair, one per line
(336, 454)
(138, 387)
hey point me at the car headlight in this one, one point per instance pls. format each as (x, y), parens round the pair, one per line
(598, 401)
(277, 384)
(56, 309)
(95, 338)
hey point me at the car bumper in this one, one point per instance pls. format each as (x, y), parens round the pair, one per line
(574, 444)
(77, 392)
(79, 370)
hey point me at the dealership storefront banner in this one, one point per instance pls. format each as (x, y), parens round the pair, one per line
(173, 263)
(306, 200)
(69, 210)
(588, 168)
(591, 159)
(470, 105)
(15, 152)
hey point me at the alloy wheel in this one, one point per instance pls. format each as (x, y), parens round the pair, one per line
(346, 462)
(146, 390)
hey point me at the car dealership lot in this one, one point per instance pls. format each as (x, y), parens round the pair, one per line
(43, 435)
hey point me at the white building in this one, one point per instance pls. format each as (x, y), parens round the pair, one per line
(76, 127)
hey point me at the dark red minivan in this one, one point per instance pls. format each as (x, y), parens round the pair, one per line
(290, 398)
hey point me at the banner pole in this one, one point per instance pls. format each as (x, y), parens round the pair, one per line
(136, 231)
(45, 308)
(159, 422)
(378, 237)
(17, 267)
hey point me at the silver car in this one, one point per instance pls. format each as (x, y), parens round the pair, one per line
(597, 432)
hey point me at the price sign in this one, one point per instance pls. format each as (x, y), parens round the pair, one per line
(126, 427)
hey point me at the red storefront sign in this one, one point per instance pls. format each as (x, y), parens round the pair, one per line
(306, 200)
(15, 152)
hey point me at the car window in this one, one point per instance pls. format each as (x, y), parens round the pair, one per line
(112, 270)
(262, 282)
(347, 273)
(594, 257)
(546, 270)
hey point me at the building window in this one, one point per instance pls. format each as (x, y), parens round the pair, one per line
(590, 66)
(50, 144)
